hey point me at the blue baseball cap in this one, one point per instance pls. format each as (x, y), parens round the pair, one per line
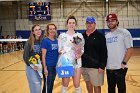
(90, 20)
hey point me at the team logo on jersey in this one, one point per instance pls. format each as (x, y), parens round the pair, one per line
(112, 39)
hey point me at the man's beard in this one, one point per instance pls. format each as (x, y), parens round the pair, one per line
(112, 27)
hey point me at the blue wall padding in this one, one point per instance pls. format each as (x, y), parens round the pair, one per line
(135, 32)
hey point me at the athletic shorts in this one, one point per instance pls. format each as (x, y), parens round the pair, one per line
(92, 75)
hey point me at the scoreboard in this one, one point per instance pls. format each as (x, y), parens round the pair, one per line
(39, 11)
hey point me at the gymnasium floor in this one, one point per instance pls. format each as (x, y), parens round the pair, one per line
(13, 79)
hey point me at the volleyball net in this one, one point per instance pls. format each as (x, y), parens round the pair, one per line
(10, 45)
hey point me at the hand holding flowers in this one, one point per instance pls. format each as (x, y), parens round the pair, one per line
(35, 63)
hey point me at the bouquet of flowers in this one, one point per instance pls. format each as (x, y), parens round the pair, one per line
(78, 44)
(35, 61)
(78, 47)
(77, 40)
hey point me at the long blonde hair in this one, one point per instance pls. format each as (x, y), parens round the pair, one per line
(47, 30)
(32, 37)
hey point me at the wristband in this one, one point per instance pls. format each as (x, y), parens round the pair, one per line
(124, 63)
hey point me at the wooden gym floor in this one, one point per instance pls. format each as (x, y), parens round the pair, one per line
(13, 78)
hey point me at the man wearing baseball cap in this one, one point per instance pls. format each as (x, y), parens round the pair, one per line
(94, 58)
(120, 46)
(111, 17)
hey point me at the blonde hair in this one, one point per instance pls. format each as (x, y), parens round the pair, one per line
(47, 30)
(32, 37)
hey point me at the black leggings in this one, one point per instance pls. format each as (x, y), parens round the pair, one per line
(116, 77)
